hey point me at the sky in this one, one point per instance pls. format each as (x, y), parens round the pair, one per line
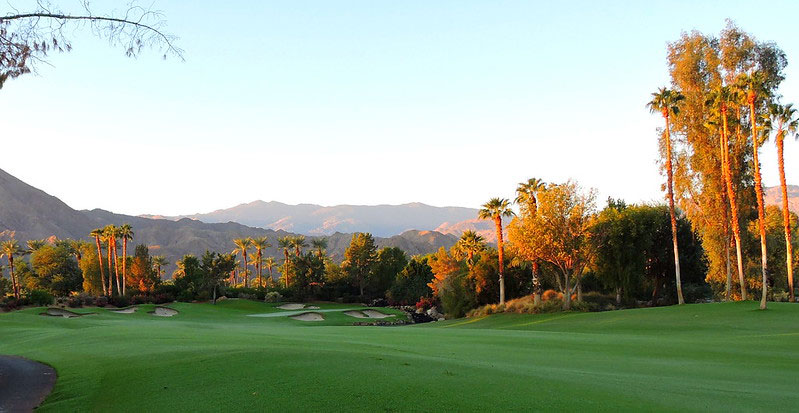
(448, 103)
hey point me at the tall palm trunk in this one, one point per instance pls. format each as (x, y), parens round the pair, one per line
(761, 216)
(725, 222)
(14, 280)
(736, 226)
(110, 274)
(670, 187)
(100, 261)
(501, 253)
(124, 263)
(286, 276)
(786, 215)
(258, 268)
(244, 273)
(536, 284)
(116, 267)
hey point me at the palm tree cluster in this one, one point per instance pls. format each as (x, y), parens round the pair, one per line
(291, 246)
(726, 88)
(110, 235)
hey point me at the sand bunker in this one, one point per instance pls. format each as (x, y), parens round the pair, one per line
(376, 314)
(128, 310)
(60, 312)
(367, 314)
(291, 306)
(309, 317)
(356, 314)
(164, 312)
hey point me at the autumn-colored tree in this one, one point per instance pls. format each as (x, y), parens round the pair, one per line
(495, 209)
(558, 234)
(718, 107)
(699, 64)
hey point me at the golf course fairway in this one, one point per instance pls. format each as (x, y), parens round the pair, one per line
(708, 357)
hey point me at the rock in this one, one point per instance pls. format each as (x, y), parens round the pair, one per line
(433, 313)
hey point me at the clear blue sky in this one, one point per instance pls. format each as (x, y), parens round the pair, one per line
(364, 102)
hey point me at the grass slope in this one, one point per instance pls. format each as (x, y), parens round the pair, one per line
(696, 357)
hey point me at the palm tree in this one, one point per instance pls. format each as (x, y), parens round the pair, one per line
(76, 247)
(285, 243)
(158, 262)
(260, 244)
(754, 86)
(470, 243)
(667, 102)
(320, 244)
(35, 244)
(719, 102)
(269, 262)
(126, 233)
(495, 209)
(526, 198)
(526, 193)
(97, 233)
(783, 120)
(9, 249)
(298, 243)
(242, 244)
(111, 233)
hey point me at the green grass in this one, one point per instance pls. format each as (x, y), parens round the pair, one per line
(717, 357)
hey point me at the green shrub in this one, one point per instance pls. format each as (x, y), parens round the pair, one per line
(40, 297)
(273, 297)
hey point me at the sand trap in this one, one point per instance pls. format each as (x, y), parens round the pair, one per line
(376, 314)
(291, 306)
(356, 314)
(309, 317)
(129, 310)
(164, 312)
(60, 312)
(311, 307)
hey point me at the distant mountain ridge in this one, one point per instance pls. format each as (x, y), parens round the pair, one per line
(773, 196)
(380, 220)
(29, 213)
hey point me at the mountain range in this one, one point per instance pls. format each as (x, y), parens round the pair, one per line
(30, 213)
(380, 220)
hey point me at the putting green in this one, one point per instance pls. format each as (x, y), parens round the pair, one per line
(718, 357)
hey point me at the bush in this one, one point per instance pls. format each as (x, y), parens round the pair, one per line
(163, 298)
(119, 301)
(599, 302)
(273, 297)
(74, 302)
(425, 303)
(40, 298)
(139, 299)
(185, 296)
(101, 301)
(551, 294)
